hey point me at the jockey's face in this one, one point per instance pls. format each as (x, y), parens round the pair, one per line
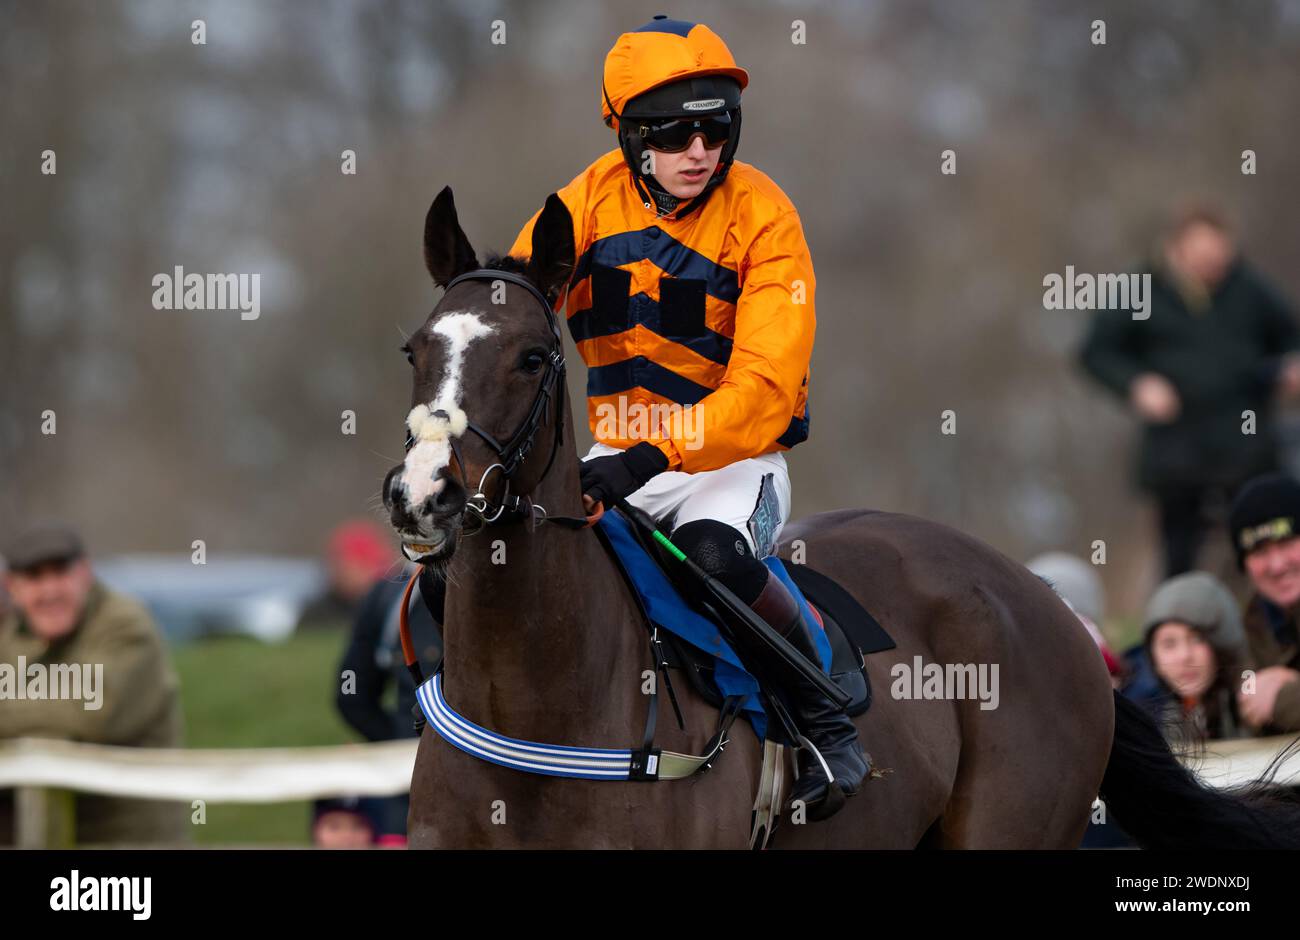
(685, 174)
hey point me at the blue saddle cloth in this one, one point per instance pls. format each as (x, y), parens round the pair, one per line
(670, 611)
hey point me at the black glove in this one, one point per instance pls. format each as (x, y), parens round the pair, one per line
(609, 479)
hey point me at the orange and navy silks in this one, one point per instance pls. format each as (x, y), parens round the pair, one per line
(714, 309)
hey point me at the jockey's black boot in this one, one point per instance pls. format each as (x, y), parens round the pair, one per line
(823, 722)
(722, 551)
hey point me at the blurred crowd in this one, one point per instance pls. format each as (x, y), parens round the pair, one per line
(1204, 373)
(1207, 667)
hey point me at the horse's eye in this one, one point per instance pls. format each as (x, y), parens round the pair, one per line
(410, 356)
(532, 363)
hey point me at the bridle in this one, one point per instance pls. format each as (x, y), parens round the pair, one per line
(511, 453)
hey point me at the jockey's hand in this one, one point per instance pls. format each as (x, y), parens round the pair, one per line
(609, 479)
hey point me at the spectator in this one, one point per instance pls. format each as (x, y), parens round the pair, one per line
(65, 623)
(344, 823)
(1217, 342)
(1265, 525)
(374, 664)
(358, 555)
(1076, 582)
(1194, 640)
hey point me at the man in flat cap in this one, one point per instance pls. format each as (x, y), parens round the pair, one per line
(79, 662)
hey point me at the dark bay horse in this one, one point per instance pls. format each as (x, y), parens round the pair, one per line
(544, 642)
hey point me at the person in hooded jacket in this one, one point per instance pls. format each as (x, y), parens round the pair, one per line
(1196, 645)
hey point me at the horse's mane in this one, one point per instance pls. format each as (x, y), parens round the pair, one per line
(509, 263)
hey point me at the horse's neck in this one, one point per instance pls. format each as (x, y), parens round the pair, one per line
(540, 638)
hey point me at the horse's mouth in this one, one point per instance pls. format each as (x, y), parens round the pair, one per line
(424, 548)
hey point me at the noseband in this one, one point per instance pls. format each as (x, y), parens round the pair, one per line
(511, 453)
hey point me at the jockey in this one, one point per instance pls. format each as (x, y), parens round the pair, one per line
(692, 305)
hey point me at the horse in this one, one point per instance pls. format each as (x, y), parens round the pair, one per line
(544, 642)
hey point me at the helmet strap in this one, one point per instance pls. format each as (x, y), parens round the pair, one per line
(633, 151)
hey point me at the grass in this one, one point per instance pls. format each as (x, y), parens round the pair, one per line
(239, 692)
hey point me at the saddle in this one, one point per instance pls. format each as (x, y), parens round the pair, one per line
(850, 630)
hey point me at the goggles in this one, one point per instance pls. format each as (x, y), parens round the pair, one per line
(675, 135)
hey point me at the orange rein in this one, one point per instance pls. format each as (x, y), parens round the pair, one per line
(404, 619)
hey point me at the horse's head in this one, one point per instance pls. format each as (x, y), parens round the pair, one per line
(488, 378)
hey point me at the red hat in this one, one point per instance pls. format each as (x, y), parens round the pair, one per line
(361, 542)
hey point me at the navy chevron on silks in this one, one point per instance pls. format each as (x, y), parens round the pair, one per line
(640, 371)
(588, 324)
(798, 428)
(667, 253)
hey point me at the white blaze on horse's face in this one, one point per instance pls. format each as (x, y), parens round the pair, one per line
(433, 425)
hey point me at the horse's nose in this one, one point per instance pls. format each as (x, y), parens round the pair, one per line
(395, 500)
(392, 488)
(450, 498)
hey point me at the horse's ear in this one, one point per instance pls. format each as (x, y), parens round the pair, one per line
(447, 252)
(552, 260)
